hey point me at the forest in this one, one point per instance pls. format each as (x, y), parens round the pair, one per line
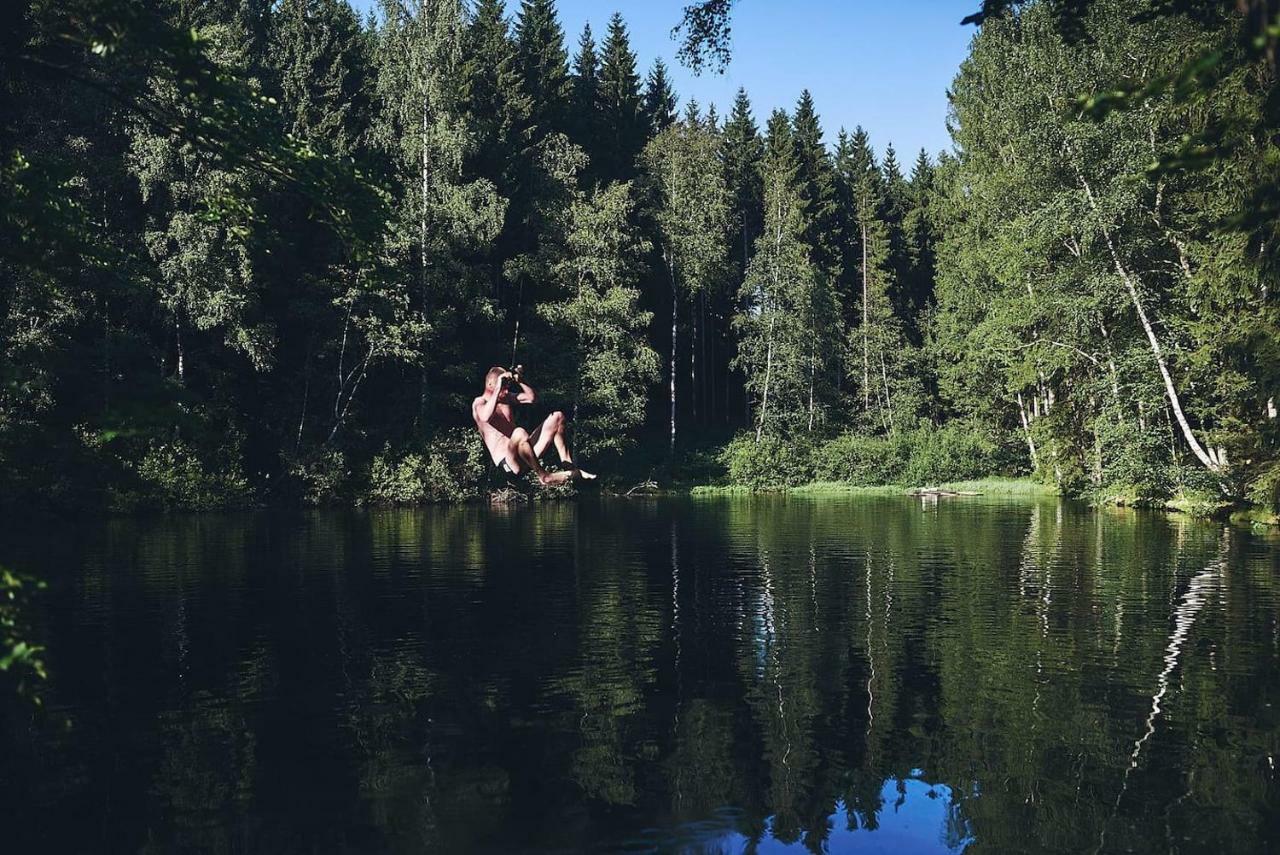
(258, 252)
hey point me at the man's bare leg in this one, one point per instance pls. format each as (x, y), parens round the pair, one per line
(524, 451)
(552, 430)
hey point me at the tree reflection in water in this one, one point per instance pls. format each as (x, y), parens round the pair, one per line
(725, 675)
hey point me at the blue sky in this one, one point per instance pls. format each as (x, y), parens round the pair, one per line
(883, 65)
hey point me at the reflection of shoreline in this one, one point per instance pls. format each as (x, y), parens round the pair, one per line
(571, 676)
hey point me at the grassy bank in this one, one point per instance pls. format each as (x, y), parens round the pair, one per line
(993, 486)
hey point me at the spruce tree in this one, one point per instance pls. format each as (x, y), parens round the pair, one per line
(919, 230)
(879, 360)
(741, 151)
(817, 185)
(622, 126)
(584, 119)
(893, 212)
(544, 66)
(317, 49)
(659, 99)
(493, 95)
(895, 186)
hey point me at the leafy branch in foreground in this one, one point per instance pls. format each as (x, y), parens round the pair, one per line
(20, 659)
(119, 50)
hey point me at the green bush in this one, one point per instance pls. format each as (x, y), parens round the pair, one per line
(924, 455)
(864, 461)
(1264, 489)
(318, 476)
(171, 476)
(768, 463)
(450, 468)
(957, 451)
(1135, 466)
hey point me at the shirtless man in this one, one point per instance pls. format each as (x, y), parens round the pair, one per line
(513, 448)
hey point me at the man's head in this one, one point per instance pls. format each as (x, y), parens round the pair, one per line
(493, 378)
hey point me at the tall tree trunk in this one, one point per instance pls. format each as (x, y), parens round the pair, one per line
(671, 270)
(888, 399)
(768, 376)
(422, 251)
(866, 346)
(1026, 431)
(693, 365)
(1171, 392)
(182, 354)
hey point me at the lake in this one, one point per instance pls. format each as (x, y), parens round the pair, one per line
(741, 674)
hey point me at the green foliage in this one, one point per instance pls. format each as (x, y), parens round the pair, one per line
(1095, 308)
(769, 462)
(450, 468)
(923, 456)
(318, 476)
(543, 65)
(954, 452)
(860, 460)
(21, 661)
(622, 122)
(659, 99)
(592, 256)
(1265, 489)
(312, 234)
(171, 476)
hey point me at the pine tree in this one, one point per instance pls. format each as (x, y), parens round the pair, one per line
(919, 230)
(544, 66)
(493, 96)
(584, 125)
(622, 126)
(659, 99)
(318, 52)
(742, 150)
(817, 185)
(879, 358)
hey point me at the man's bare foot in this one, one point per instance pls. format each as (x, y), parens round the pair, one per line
(549, 478)
(579, 473)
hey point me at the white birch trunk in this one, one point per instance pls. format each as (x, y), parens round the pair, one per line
(866, 351)
(674, 304)
(768, 376)
(1026, 431)
(1171, 391)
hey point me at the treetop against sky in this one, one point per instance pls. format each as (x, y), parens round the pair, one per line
(883, 66)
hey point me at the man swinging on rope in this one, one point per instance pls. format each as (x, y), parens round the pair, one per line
(513, 448)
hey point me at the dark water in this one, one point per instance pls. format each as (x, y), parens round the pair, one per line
(728, 675)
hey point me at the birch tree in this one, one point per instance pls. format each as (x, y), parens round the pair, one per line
(682, 169)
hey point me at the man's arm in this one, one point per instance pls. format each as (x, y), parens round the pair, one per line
(483, 410)
(526, 395)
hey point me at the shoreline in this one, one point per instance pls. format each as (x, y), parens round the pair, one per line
(1195, 507)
